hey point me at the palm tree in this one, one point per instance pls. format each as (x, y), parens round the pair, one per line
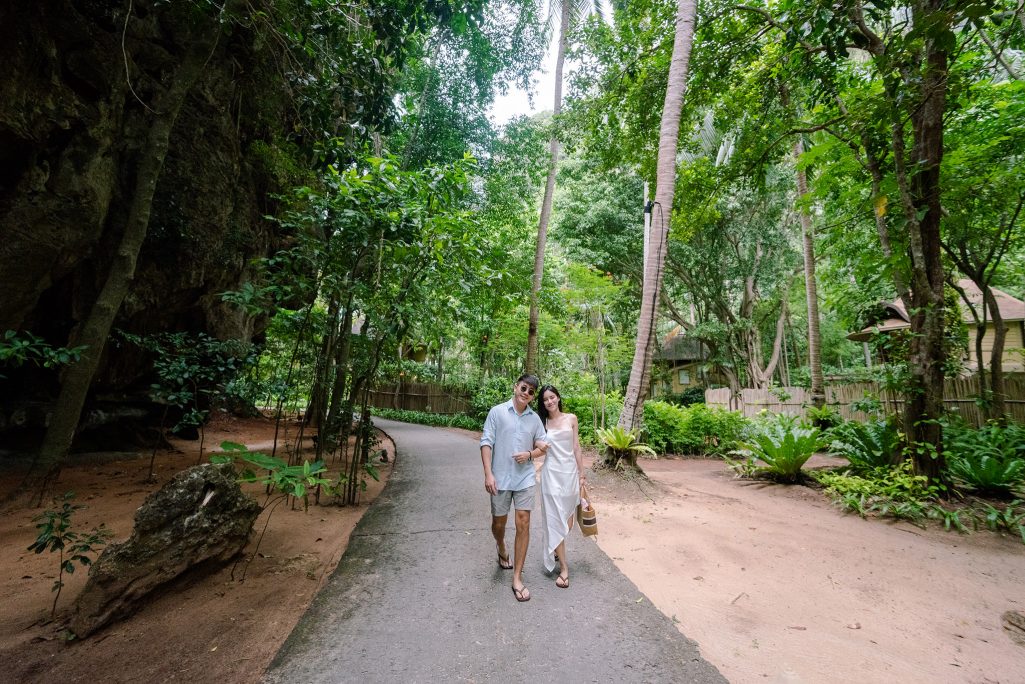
(818, 393)
(665, 182)
(570, 11)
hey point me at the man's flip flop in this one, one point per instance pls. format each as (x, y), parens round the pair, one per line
(519, 594)
(564, 582)
(504, 562)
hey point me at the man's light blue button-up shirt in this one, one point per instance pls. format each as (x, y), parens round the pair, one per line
(507, 432)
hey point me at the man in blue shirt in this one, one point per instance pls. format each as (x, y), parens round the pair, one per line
(513, 436)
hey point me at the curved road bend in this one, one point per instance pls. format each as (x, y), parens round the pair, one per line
(418, 595)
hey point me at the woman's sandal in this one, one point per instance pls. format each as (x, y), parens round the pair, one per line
(521, 594)
(564, 582)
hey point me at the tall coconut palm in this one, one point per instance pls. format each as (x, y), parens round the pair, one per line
(818, 393)
(570, 11)
(665, 182)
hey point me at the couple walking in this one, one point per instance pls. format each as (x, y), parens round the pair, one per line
(513, 436)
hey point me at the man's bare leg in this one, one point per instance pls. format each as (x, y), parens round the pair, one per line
(521, 542)
(498, 532)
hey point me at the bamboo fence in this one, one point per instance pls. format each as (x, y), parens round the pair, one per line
(420, 396)
(960, 396)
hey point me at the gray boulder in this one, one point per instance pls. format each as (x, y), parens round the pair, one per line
(201, 515)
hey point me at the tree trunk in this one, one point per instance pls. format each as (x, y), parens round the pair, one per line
(818, 392)
(546, 204)
(998, 407)
(332, 426)
(94, 332)
(925, 402)
(665, 183)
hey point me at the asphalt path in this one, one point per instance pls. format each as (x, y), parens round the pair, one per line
(418, 595)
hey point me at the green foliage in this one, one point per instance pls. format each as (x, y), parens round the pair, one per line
(275, 473)
(488, 393)
(989, 460)
(20, 348)
(894, 491)
(869, 404)
(618, 439)
(195, 371)
(695, 429)
(623, 446)
(824, 418)
(423, 418)
(784, 445)
(988, 475)
(588, 410)
(688, 397)
(56, 535)
(1008, 519)
(866, 446)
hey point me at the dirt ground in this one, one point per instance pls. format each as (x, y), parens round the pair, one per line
(777, 585)
(203, 628)
(772, 582)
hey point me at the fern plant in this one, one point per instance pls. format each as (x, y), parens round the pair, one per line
(622, 447)
(989, 460)
(784, 445)
(866, 446)
(987, 474)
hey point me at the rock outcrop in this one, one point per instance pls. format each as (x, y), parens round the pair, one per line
(73, 126)
(200, 517)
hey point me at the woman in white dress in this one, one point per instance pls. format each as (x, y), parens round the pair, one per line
(561, 477)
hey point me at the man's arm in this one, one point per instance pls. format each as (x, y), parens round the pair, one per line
(487, 441)
(489, 478)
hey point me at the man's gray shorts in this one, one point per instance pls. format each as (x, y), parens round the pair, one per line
(522, 500)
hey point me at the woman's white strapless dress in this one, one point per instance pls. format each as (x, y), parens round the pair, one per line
(560, 491)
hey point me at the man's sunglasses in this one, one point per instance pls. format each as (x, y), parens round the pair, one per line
(527, 389)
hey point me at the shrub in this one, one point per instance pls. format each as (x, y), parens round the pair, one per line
(994, 439)
(437, 419)
(588, 411)
(688, 397)
(622, 447)
(490, 392)
(988, 475)
(875, 444)
(663, 423)
(825, 418)
(784, 444)
(696, 429)
(989, 460)
(894, 491)
(1009, 519)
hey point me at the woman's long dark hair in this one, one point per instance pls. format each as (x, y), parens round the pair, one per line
(541, 410)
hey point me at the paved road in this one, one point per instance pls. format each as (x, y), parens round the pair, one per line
(419, 597)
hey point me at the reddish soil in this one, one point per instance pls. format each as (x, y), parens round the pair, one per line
(777, 585)
(207, 628)
(771, 581)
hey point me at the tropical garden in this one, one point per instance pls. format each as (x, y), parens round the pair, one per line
(282, 207)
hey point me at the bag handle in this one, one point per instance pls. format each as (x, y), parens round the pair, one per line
(584, 493)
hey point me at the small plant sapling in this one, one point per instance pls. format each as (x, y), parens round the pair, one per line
(282, 480)
(56, 535)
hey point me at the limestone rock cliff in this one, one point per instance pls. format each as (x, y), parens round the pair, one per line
(73, 123)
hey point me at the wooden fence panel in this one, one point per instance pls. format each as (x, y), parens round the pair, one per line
(960, 397)
(420, 396)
